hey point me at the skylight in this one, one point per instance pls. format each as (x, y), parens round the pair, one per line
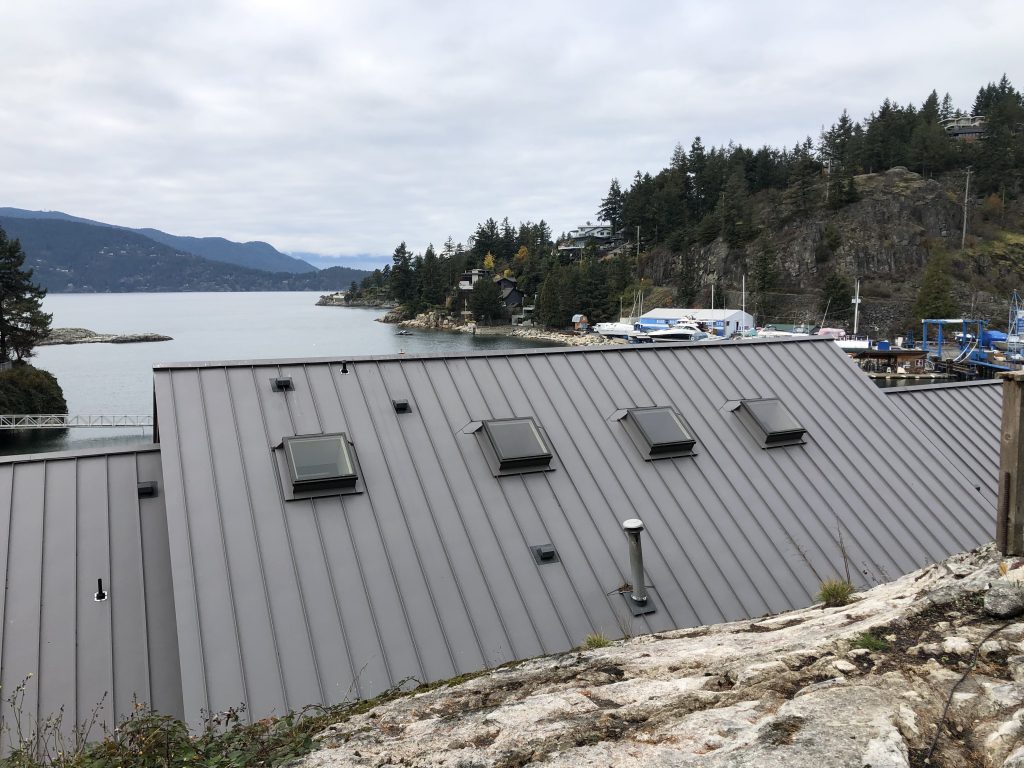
(518, 445)
(317, 462)
(777, 426)
(660, 432)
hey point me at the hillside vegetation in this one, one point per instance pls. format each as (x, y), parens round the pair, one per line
(881, 200)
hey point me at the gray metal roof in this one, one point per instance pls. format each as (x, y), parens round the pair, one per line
(428, 571)
(963, 420)
(67, 520)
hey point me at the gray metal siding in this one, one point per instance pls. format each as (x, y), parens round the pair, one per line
(428, 573)
(67, 521)
(963, 421)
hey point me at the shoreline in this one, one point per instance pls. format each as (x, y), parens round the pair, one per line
(429, 322)
(59, 336)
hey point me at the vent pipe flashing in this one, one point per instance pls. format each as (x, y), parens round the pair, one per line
(633, 529)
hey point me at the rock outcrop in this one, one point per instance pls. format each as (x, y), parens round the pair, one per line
(913, 673)
(85, 336)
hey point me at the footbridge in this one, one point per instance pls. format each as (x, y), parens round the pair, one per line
(66, 420)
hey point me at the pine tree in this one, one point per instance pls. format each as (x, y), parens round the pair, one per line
(935, 297)
(611, 206)
(23, 324)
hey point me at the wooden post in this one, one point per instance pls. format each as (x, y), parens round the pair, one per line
(1010, 510)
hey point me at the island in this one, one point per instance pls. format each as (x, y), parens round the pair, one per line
(85, 336)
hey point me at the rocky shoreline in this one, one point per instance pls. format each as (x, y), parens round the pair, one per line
(340, 299)
(85, 336)
(436, 321)
(924, 671)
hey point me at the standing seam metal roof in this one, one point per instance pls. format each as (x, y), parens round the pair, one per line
(428, 573)
(963, 420)
(67, 520)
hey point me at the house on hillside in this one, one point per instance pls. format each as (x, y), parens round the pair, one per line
(964, 128)
(599, 235)
(470, 278)
(312, 530)
(511, 296)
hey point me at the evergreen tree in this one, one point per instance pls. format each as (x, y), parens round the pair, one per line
(946, 109)
(611, 206)
(935, 296)
(403, 285)
(433, 285)
(837, 294)
(485, 301)
(23, 324)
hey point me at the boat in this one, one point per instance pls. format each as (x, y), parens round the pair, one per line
(618, 330)
(403, 332)
(677, 332)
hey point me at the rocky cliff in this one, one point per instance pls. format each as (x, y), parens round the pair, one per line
(924, 671)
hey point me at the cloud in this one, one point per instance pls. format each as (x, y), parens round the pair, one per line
(342, 127)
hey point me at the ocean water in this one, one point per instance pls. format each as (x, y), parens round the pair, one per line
(118, 378)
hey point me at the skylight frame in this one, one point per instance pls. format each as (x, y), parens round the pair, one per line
(504, 460)
(759, 422)
(344, 480)
(647, 443)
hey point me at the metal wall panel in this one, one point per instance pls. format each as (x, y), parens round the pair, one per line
(427, 572)
(962, 420)
(67, 520)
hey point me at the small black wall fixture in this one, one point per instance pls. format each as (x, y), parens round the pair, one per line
(147, 489)
(344, 366)
(282, 384)
(100, 595)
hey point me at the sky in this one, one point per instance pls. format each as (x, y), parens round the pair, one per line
(343, 128)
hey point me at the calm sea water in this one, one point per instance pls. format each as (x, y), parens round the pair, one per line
(118, 378)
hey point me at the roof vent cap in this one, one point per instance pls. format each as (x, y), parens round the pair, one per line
(282, 384)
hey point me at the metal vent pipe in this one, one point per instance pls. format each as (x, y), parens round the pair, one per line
(633, 529)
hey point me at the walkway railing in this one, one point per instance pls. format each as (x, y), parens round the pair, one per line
(64, 420)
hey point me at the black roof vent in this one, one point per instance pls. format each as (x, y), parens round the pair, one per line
(402, 406)
(771, 422)
(147, 489)
(659, 432)
(320, 462)
(282, 384)
(519, 445)
(544, 554)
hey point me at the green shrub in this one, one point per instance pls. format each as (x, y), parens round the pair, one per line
(25, 389)
(835, 592)
(870, 642)
(596, 640)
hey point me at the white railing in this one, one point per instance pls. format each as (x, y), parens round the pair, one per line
(64, 420)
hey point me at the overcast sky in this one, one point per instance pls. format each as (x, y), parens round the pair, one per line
(343, 128)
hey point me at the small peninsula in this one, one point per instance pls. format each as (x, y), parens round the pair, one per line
(85, 336)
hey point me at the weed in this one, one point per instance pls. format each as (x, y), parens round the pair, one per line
(596, 640)
(836, 592)
(870, 642)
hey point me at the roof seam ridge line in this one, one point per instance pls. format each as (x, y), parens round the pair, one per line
(42, 586)
(437, 531)
(4, 596)
(490, 522)
(111, 605)
(412, 544)
(191, 575)
(255, 528)
(224, 544)
(459, 512)
(782, 533)
(358, 558)
(851, 488)
(712, 521)
(142, 579)
(515, 517)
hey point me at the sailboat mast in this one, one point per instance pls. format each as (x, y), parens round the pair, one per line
(856, 307)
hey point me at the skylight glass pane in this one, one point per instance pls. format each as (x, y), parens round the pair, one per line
(517, 443)
(319, 458)
(662, 429)
(774, 419)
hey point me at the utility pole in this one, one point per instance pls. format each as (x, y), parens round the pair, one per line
(856, 307)
(743, 302)
(967, 187)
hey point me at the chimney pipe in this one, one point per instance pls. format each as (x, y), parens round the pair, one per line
(633, 529)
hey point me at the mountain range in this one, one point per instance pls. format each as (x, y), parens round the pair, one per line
(72, 254)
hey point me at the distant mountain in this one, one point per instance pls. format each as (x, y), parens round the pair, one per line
(256, 254)
(369, 261)
(71, 256)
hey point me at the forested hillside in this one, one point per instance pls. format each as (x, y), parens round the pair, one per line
(69, 256)
(880, 199)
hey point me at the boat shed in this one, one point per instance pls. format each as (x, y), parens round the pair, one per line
(87, 612)
(339, 526)
(723, 322)
(963, 420)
